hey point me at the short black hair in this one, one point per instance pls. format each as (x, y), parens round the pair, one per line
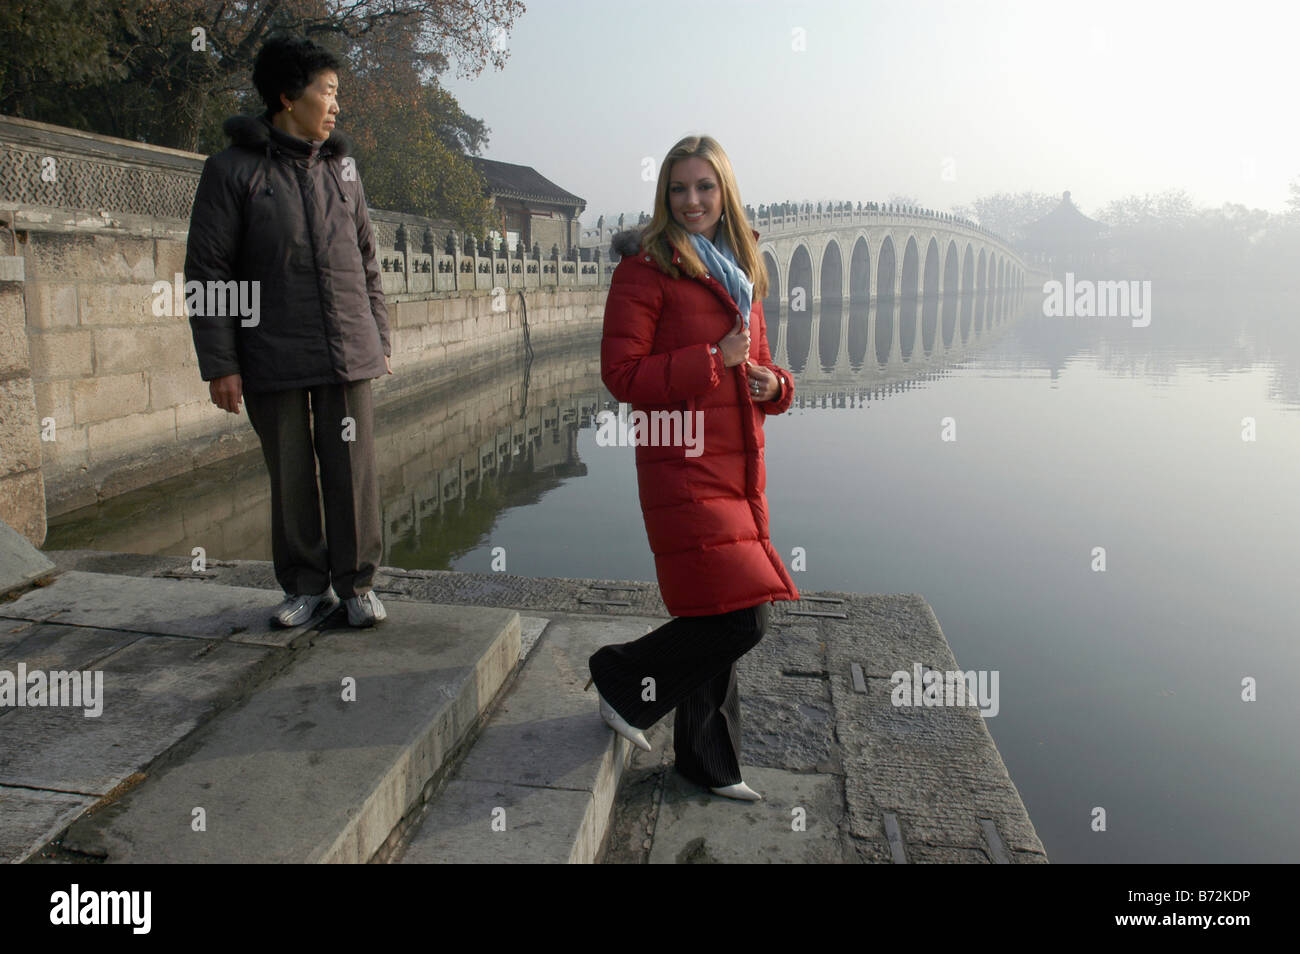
(288, 64)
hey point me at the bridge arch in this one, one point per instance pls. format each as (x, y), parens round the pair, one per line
(981, 289)
(908, 298)
(885, 265)
(772, 310)
(930, 296)
(967, 291)
(951, 287)
(799, 305)
(829, 312)
(859, 302)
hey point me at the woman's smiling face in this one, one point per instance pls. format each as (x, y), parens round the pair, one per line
(693, 188)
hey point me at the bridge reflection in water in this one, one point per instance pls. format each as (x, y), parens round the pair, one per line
(833, 341)
(453, 460)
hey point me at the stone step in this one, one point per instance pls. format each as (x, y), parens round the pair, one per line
(320, 762)
(540, 782)
(165, 655)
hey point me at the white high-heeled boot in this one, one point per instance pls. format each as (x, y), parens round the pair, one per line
(618, 723)
(740, 790)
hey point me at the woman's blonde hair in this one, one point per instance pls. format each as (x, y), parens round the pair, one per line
(664, 233)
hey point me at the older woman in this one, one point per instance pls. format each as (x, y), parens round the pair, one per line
(684, 332)
(282, 212)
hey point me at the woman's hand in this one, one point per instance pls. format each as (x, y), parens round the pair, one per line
(735, 347)
(388, 364)
(765, 378)
(226, 392)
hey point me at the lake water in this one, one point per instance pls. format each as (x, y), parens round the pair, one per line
(1119, 690)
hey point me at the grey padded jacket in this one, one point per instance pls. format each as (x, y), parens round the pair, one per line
(291, 215)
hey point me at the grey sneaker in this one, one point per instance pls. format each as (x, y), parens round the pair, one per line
(297, 609)
(365, 610)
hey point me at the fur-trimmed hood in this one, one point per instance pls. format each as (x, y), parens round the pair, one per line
(257, 132)
(625, 243)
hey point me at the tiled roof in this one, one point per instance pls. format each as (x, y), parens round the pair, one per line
(522, 182)
(1065, 222)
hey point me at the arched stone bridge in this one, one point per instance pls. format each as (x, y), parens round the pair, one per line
(900, 291)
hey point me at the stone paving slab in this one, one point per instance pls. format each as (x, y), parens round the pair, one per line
(788, 648)
(786, 714)
(48, 646)
(295, 772)
(156, 691)
(936, 769)
(697, 827)
(888, 633)
(792, 729)
(937, 795)
(546, 735)
(540, 826)
(29, 819)
(160, 606)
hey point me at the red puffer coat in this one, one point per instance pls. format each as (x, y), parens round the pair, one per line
(705, 516)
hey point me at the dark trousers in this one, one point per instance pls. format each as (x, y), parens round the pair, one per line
(691, 661)
(297, 428)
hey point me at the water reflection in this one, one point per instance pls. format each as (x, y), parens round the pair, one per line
(452, 460)
(886, 327)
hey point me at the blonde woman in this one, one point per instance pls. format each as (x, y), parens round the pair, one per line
(684, 331)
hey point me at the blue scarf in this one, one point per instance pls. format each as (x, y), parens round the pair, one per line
(721, 263)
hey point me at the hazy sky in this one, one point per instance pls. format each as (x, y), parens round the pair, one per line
(944, 101)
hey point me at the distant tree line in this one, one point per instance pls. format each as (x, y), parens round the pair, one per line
(169, 72)
(1168, 234)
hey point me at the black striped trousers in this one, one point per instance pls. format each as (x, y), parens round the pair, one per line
(687, 664)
